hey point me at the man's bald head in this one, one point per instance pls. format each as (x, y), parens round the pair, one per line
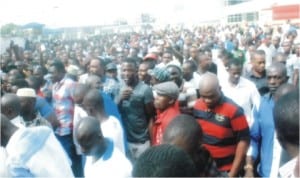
(209, 81)
(94, 81)
(10, 105)
(79, 92)
(185, 132)
(93, 102)
(283, 90)
(88, 134)
(277, 66)
(209, 89)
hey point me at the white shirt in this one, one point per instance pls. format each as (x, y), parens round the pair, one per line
(276, 157)
(222, 72)
(3, 167)
(269, 53)
(111, 128)
(36, 152)
(292, 63)
(287, 170)
(113, 163)
(17, 121)
(79, 113)
(194, 82)
(245, 94)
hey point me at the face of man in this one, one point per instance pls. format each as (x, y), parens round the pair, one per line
(27, 106)
(275, 79)
(187, 71)
(142, 73)
(95, 67)
(276, 42)
(211, 97)
(128, 73)
(235, 73)
(38, 73)
(286, 47)
(112, 73)
(268, 40)
(258, 63)
(193, 52)
(166, 58)
(204, 62)
(55, 74)
(175, 75)
(162, 102)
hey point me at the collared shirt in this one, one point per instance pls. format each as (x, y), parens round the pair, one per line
(260, 83)
(112, 163)
(162, 121)
(244, 94)
(223, 127)
(262, 133)
(63, 105)
(79, 113)
(269, 54)
(35, 152)
(133, 113)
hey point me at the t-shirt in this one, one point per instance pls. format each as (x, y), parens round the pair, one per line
(113, 163)
(111, 128)
(223, 127)
(133, 113)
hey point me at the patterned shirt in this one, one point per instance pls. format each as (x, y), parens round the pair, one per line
(63, 105)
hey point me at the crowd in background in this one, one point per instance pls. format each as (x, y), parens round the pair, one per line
(199, 100)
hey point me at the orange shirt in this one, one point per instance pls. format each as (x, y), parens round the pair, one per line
(162, 121)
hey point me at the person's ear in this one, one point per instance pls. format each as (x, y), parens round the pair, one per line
(171, 101)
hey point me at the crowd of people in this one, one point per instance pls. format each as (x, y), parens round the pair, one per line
(213, 101)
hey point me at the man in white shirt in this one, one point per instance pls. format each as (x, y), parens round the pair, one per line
(33, 152)
(167, 59)
(241, 90)
(266, 47)
(110, 125)
(103, 158)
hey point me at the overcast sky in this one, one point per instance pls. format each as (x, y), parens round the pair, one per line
(58, 13)
(66, 13)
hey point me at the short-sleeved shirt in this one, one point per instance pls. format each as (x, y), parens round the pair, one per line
(260, 83)
(63, 105)
(223, 127)
(134, 115)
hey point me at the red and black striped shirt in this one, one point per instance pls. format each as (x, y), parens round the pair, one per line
(223, 127)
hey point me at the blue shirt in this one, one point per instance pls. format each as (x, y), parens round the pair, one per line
(43, 107)
(110, 107)
(262, 134)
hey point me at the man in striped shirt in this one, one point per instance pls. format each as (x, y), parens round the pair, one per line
(225, 129)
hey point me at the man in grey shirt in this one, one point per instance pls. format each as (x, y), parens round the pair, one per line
(135, 102)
